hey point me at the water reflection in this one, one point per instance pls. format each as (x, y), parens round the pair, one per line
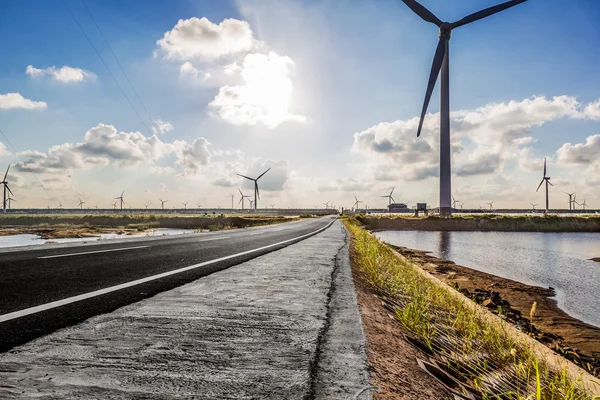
(444, 244)
(559, 260)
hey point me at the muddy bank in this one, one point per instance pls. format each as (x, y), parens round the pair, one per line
(574, 339)
(75, 226)
(483, 223)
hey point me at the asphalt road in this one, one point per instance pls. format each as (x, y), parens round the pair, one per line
(51, 287)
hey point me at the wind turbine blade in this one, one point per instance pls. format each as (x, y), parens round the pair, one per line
(392, 191)
(438, 59)
(393, 201)
(544, 167)
(6, 174)
(244, 176)
(240, 190)
(122, 193)
(550, 182)
(422, 12)
(385, 196)
(263, 173)
(538, 188)
(486, 13)
(9, 191)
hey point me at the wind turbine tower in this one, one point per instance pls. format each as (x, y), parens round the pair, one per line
(441, 62)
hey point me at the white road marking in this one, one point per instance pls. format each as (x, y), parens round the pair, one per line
(95, 251)
(85, 296)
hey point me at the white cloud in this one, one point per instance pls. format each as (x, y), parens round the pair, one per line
(581, 153)
(265, 95)
(15, 100)
(232, 69)
(63, 74)
(194, 156)
(161, 127)
(592, 110)
(188, 70)
(200, 38)
(3, 150)
(492, 134)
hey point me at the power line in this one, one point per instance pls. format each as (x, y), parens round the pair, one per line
(117, 83)
(26, 166)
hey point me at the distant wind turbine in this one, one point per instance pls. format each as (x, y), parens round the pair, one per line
(327, 205)
(454, 201)
(121, 198)
(491, 204)
(356, 203)
(547, 180)
(570, 199)
(146, 205)
(256, 192)
(389, 197)
(81, 203)
(533, 206)
(5, 183)
(10, 200)
(441, 62)
(162, 203)
(115, 205)
(583, 205)
(60, 205)
(185, 205)
(242, 198)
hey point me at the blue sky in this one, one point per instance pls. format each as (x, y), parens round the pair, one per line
(330, 81)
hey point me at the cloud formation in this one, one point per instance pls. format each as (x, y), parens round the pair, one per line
(63, 74)
(200, 38)
(15, 100)
(492, 133)
(581, 153)
(161, 127)
(265, 95)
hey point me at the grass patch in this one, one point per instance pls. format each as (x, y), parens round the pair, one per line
(475, 351)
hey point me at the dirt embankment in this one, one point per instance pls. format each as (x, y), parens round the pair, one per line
(52, 227)
(489, 223)
(574, 339)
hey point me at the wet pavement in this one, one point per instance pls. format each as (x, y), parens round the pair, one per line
(284, 325)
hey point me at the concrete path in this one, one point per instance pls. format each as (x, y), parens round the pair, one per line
(282, 326)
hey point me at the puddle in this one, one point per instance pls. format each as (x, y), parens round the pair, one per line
(31, 240)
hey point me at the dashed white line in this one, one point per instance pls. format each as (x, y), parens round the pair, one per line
(74, 299)
(95, 251)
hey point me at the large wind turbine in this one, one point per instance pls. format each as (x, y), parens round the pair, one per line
(389, 197)
(547, 179)
(5, 183)
(162, 203)
(441, 61)
(81, 203)
(356, 203)
(256, 193)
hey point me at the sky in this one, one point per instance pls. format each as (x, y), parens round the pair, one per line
(172, 99)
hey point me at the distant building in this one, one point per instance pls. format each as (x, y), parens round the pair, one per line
(398, 208)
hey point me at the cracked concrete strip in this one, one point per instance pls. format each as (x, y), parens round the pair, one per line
(343, 370)
(248, 332)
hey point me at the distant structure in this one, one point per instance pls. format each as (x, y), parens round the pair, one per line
(398, 208)
(162, 203)
(571, 199)
(242, 197)
(441, 63)
(81, 203)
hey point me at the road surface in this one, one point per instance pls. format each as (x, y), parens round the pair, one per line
(45, 289)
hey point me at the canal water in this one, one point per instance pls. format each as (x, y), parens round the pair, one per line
(558, 260)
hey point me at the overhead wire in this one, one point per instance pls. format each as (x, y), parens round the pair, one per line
(119, 85)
